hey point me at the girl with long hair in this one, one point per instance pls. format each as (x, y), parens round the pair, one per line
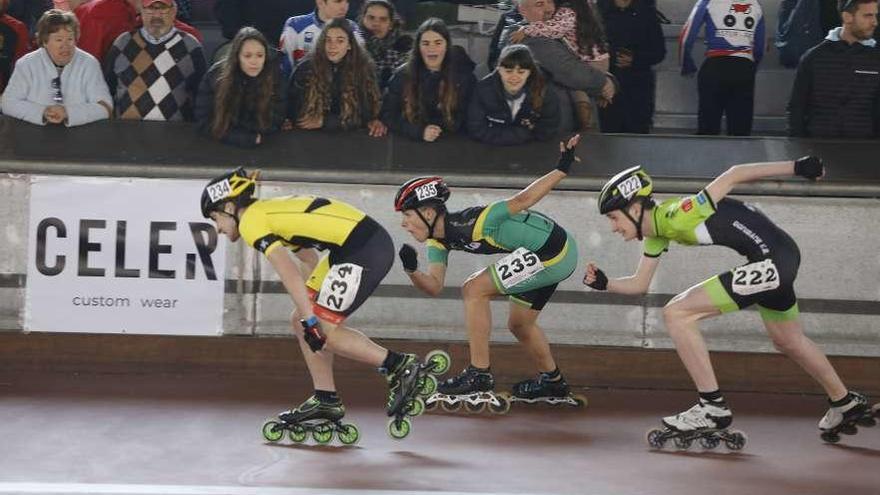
(428, 95)
(514, 104)
(242, 97)
(335, 87)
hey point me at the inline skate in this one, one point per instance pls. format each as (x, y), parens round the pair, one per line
(474, 389)
(847, 418)
(320, 419)
(707, 422)
(543, 390)
(407, 387)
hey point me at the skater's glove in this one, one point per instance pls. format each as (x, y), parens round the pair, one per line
(566, 158)
(810, 167)
(601, 282)
(312, 333)
(408, 258)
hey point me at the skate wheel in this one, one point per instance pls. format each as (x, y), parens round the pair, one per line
(415, 407)
(272, 430)
(475, 408)
(399, 428)
(736, 441)
(655, 438)
(710, 442)
(682, 443)
(439, 361)
(503, 406)
(427, 385)
(298, 434)
(348, 434)
(830, 436)
(322, 434)
(454, 407)
(579, 400)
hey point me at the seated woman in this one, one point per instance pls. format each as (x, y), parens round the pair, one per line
(380, 25)
(428, 96)
(514, 104)
(335, 87)
(242, 98)
(58, 83)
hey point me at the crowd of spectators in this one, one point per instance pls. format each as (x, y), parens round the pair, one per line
(554, 66)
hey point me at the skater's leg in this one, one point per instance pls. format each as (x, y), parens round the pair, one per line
(477, 292)
(788, 337)
(681, 315)
(320, 364)
(522, 323)
(353, 344)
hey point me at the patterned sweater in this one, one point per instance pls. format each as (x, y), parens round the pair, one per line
(154, 81)
(563, 25)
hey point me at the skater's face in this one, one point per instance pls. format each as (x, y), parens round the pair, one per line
(622, 225)
(513, 78)
(226, 223)
(416, 226)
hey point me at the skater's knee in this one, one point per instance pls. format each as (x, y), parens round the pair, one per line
(519, 328)
(787, 342)
(674, 314)
(470, 289)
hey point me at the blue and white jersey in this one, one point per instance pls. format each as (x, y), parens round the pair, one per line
(734, 28)
(299, 36)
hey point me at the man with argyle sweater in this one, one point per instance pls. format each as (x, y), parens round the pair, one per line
(153, 72)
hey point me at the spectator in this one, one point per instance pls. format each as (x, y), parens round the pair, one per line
(335, 85)
(58, 83)
(636, 41)
(29, 11)
(243, 97)
(726, 82)
(14, 43)
(104, 20)
(380, 25)
(576, 24)
(429, 94)
(67, 5)
(566, 71)
(836, 90)
(514, 104)
(300, 32)
(265, 15)
(154, 71)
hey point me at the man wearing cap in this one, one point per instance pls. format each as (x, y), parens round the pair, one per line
(102, 21)
(154, 71)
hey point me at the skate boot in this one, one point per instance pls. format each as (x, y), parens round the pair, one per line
(321, 419)
(474, 388)
(542, 389)
(848, 417)
(706, 422)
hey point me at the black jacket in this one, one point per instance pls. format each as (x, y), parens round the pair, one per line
(429, 84)
(509, 22)
(245, 127)
(490, 119)
(637, 29)
(836, 92)
(332, 120)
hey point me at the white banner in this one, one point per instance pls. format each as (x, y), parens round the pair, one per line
(122, 256)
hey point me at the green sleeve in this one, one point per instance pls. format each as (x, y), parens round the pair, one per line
(490, 219)
(437, 253)
(655, 246)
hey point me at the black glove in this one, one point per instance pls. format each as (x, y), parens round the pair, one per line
(566, 158)
(810, 167)
(601, 282)
(408, 258)
(312, 333)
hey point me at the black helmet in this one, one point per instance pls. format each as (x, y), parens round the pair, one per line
(624, 188)
(421, 191)
(235, 186)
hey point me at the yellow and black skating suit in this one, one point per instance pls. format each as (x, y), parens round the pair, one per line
(356, 243)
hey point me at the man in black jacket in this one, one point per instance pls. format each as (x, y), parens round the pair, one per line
(836, 91)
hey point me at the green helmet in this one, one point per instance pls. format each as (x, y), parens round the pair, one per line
(624, 188)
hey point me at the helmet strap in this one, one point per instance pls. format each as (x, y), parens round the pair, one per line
(638, 223)
(427, 224)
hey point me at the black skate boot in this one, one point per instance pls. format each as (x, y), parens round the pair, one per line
(546, 390)
(321, 419)
(706, 422)
(474, 388)
(847, 417)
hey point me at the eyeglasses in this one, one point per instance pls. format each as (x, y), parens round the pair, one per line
(57, 97)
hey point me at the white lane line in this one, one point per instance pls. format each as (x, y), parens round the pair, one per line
(120, 489)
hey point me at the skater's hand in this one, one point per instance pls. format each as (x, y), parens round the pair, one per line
(595, 278)
(312, 334)
(810, 167)
(408, 258)
(566, 154)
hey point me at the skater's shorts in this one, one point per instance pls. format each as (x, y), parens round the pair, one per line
(535, 291)
(346, 277)
(768, 282)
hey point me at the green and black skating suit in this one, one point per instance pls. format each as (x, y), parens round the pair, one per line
(773, 256)
(533, 239)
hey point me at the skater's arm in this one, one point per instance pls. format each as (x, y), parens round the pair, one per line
(536, 190)
(636, 284)
(430, 282)
(808, 166)
(293, 281)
